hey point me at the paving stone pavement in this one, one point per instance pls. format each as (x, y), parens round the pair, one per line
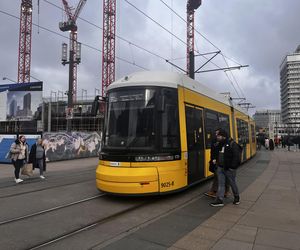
(268, 216)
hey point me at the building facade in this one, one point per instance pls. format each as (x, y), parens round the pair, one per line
(290, 90)
(270, 121)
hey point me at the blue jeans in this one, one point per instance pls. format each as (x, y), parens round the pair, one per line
(230, 174)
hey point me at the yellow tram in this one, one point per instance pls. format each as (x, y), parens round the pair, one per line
(158, 131)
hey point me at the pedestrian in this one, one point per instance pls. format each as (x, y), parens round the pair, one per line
(271, 144)
(267, 143)
(214, 151)
(283, 142)
(276, 142)
(228, 160)
(37, 157)
(289, 142)
(19, 155)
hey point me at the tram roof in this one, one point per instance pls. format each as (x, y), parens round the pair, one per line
(171, 80)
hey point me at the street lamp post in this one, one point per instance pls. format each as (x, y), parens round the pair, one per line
(6, 78)
(97, 91)
(82, 93)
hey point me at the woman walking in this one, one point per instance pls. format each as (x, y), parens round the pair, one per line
(37, 157)
(19, 155)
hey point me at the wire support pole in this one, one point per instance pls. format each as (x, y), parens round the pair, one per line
(73, 68)
(190, 44)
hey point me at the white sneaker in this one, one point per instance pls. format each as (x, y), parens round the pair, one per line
(18, 180)
(42, 177)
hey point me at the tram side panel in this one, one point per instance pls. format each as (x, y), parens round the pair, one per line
(215, 115)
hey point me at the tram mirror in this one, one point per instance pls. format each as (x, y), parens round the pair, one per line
(161, 103)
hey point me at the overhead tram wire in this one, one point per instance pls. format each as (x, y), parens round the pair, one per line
(165, 29)
(144, 49)
(233, 77)
(178, 38)
(133, 44)
(84, 44)
(215, 46)
(210, 42)
(119, 37)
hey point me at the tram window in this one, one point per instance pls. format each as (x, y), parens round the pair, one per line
(252, 133)
(170, 121)
(224, 122)
(243, 131)
(130, 121)
(213, 121)
(211, 124)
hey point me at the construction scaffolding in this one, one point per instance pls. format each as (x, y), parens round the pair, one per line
(53, 114)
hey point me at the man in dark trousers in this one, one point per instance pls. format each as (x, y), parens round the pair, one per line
(227, 162)
(214, 151)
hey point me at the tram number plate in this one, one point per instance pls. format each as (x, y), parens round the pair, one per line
(167, 184)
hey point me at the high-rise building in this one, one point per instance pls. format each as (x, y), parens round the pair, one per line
(263, 118)
(270, 121)
(290, 89)
(13, 108)
(27, 102)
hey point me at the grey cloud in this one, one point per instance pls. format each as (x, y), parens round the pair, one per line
(258, 33)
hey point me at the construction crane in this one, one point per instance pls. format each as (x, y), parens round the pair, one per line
(24, 58)
(75, 48)
(108, 45)
(192, 5)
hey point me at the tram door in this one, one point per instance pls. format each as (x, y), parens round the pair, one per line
(195, 143)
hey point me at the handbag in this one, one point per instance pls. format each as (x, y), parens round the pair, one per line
(27, 170)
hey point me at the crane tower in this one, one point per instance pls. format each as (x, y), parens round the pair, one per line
(24, 58)
(75, 47)
(108, 44)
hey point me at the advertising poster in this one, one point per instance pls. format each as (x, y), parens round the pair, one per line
(20, 101)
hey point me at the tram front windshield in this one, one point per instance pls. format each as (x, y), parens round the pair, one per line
(142, 119)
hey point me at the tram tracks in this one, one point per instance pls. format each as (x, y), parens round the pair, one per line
(94, 223)
(45, 188)
(87, 227)
(49, 210)
(115, 216)
(50, 183)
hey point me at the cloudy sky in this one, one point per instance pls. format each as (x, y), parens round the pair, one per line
(254, 32)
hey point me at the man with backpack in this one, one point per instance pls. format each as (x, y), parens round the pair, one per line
(214, 152)
(228, 160)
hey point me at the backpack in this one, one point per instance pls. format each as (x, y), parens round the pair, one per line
(239, 149)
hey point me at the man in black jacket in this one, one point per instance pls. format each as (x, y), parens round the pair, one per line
(227, 161)
(214, 151)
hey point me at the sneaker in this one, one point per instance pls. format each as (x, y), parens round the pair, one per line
(217, 203)
(211, 194)
(18, 180)
(42, 177)
(236, 200)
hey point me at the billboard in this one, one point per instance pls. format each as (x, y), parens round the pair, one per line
(20, 101)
